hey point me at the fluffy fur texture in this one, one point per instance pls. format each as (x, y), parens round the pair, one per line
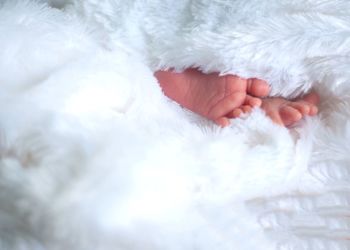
(93, 156)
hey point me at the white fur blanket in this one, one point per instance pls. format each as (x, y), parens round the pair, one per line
(93, 156)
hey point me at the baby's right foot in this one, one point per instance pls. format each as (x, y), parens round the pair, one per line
(215, 97)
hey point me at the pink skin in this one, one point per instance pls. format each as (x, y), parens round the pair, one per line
(220, 98)
(286, 113)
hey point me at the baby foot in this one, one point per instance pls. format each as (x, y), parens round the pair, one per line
(210, 95)
(285, 112)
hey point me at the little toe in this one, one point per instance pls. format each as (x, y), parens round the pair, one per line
(222, 122)
(289, 115)
(257, 87)
(252, 101)
(235, 113)
(246, 109)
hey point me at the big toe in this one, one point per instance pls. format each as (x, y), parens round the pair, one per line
(257, 87)
(289, 115)
(312, 98)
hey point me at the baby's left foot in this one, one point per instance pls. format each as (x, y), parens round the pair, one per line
(286, 112)
(215, 97)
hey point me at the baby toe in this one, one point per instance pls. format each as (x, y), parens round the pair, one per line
(235, 113)
(252, 101)
(312, 98)
(257, 87)
(289, 115)
(235, 83)
(303, 107)
(222, 122)
(246, 109)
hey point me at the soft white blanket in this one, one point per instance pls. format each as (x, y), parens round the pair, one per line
(93, 156)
